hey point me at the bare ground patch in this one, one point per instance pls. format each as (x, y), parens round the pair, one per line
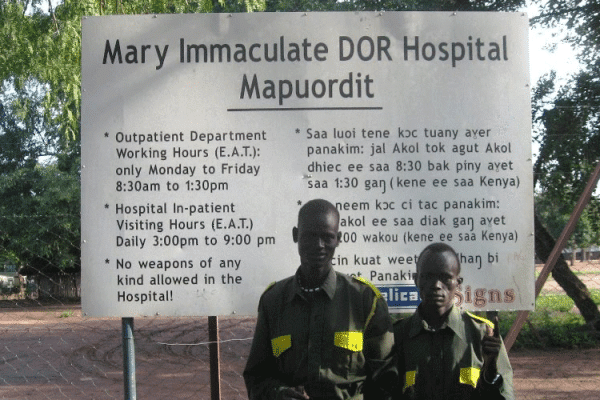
(52, 352)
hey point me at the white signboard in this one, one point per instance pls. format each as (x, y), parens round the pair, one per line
(203, 135)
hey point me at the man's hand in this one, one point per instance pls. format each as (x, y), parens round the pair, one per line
(297, 393)
(490, 345)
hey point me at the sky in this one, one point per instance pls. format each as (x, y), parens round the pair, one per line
(542, 60)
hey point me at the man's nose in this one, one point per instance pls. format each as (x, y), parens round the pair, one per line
(437, 283)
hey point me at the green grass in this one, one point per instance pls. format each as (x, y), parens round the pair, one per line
(554, 302)
(66, 314)
(553, 323)
(550, 329)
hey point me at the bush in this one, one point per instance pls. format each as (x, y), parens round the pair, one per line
(554, 302)
(552, 324)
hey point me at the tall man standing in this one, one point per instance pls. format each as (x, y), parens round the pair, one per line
(443, 353)
(320, 334)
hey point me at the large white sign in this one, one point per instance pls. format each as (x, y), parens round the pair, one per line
(202, 136)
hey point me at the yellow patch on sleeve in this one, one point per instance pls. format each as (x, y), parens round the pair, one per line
(477, 317)
(369, 284)
(281, 344)
(409, 379)
(469, 376)
(270, 286)
(377, 296)
(351, 340)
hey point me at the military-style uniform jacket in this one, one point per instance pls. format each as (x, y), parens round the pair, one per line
(330, 341)
(446, 363)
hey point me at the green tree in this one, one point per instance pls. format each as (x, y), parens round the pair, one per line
(39, 214)
(566, 128)
(44, 45)
(566, 118)
(555, 216)
(393, 5)
(39, 137)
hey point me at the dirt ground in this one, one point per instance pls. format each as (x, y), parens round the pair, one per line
(55, 353)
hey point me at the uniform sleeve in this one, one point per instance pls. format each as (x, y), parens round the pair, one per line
(398, 390)
(503, 389)
(382, 374)
(261, 369)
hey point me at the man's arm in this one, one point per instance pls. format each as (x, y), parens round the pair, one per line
(496, 380)
(379, 354)
(260, 374)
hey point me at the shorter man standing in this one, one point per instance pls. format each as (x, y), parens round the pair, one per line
(444, 353)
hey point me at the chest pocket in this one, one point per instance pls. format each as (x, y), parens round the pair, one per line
(346, 354)
(281, 344)
(351, 340)
(469, 376)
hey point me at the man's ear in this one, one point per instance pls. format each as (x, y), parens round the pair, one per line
(459, 280)
(295, 234)
(339, 238)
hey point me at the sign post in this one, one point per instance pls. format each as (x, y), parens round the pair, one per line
(202, 135)
(128, 359)
(215, 357)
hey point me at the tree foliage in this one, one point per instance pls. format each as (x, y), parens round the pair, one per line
(41, 231)
(556, 215)
(580, 21)
(39, 185)
(43, 44)
(566, 118)
(393, 5)
(566, 128)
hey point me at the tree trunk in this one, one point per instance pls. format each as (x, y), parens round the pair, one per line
(576, 290)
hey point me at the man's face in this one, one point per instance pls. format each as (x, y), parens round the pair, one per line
(317, 237)
(437, 279)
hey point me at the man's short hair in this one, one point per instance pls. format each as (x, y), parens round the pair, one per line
(438, 248)
(317, 205)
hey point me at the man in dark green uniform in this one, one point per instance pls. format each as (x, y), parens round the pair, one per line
(320, 334)
(444, 353)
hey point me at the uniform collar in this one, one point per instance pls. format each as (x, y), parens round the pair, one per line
(454, 322)
(328, 286)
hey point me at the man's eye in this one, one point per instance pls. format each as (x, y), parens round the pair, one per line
(445, 279)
